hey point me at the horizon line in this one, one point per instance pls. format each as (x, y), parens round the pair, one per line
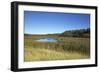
(55, 32)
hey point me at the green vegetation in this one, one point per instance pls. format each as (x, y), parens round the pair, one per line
(77, 33)
(73, 46)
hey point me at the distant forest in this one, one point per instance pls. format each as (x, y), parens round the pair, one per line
(76, 33)
(69, 33)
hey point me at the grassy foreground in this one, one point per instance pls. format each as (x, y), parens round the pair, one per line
(46, 54)
(66, 48)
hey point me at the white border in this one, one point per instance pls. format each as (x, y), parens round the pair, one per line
(22, 64)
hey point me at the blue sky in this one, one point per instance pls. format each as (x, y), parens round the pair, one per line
(54, 22)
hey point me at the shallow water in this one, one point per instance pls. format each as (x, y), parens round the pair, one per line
(46, 40)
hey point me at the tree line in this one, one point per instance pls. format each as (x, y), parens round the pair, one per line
(76, 33)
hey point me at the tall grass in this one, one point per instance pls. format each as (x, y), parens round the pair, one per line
(65, 45)
(33, 54)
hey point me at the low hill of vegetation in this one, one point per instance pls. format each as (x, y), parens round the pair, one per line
(77, 33)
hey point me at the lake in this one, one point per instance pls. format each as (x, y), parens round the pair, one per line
(46, 40)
